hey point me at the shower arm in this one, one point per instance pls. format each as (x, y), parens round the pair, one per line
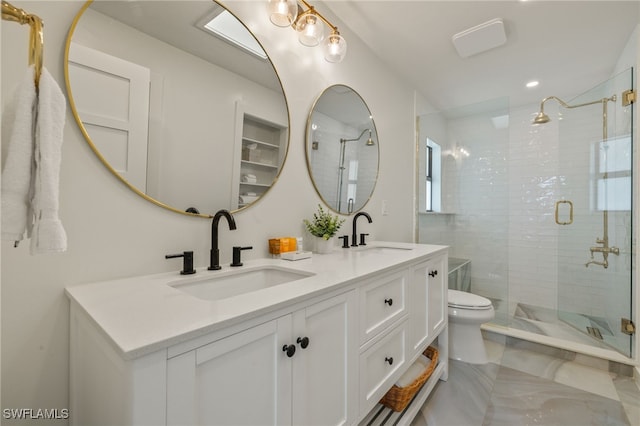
(566, 105)
(356, 139)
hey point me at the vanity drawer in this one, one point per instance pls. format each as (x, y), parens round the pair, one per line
(382, 302)
(381, 366)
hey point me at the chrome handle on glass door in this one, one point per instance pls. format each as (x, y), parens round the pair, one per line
(570, 221)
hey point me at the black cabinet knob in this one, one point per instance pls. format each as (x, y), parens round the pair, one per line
(290, 350)
(389, 360)
(303, 342)
(388, 301)
(433, 273)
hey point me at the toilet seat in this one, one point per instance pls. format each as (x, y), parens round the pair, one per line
(464, 300)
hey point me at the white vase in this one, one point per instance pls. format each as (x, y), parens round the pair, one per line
(324, 246)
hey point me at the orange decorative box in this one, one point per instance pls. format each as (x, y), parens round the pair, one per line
(282, 245)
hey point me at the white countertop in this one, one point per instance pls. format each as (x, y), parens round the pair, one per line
(140, 315)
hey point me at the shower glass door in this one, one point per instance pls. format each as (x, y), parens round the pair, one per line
(593, 213)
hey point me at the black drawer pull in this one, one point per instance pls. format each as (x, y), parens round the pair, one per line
(389, 360)
(289, 349)
(433, 273)
(388, 301)
(303, 342)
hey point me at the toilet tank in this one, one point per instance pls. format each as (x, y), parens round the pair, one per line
(459, 274)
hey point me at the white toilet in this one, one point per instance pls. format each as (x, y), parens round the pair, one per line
(466, 312)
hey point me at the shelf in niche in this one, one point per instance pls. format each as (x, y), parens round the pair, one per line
(262, 185)
(246, 140)
(254, 163)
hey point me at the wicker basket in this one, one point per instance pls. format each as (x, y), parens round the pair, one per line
(398, 398)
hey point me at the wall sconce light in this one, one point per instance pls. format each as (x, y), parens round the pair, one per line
(309, 25)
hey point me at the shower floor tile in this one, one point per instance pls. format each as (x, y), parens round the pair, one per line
(545, 322)
(526, 385)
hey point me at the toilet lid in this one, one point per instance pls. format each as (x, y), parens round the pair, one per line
(465, 300)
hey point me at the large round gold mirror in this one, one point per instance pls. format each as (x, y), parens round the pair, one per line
(179, 100)
(342, 149)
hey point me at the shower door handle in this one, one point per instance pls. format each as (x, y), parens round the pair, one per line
(570, 221)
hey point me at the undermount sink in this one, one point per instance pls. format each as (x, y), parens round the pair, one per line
(236, 282)
(381, 249)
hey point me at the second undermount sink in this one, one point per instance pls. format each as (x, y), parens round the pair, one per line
(222, 285)
(382, 249)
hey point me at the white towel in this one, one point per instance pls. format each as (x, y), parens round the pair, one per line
(249, 178)
(48, 234)
(17, 174)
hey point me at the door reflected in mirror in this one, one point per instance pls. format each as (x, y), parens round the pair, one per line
(182, 116)
(342, 149)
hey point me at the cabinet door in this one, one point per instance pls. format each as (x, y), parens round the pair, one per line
(325, 372)
(244, 379)
(428, 302)
(438, 307)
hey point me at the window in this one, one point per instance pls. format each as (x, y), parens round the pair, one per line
(432, 177)
(613, 180)
(429, 179)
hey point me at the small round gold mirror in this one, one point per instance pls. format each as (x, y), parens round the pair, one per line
(342, 149)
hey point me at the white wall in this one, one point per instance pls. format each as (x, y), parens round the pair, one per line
(475, 196)
(114, 233)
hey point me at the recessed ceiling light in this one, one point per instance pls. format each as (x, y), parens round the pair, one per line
(533, 83)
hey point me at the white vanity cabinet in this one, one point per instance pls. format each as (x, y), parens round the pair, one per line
(428, 298)
(291, 370)
(322, 349)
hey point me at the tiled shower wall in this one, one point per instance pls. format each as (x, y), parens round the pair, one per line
(500, 187)
(475, 198)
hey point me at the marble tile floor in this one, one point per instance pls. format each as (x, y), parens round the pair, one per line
(530, 384)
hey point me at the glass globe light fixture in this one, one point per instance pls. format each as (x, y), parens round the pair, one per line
(335, 47)
(311, 32)
(283, 13)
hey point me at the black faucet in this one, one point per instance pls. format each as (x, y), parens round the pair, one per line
(354, 235)
(214, 260)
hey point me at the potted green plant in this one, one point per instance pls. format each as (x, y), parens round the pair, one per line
(324, 226)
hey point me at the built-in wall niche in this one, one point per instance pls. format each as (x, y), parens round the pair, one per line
(260, 152)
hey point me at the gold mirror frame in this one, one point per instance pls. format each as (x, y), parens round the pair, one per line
(342, 110)
(111, 169)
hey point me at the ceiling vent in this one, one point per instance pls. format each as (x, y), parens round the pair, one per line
(480, 38)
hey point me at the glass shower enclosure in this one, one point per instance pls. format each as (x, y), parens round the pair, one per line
(543, 212)
(593, 213)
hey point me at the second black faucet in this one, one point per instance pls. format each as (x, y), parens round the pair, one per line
(214, 258)
(354, 235)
